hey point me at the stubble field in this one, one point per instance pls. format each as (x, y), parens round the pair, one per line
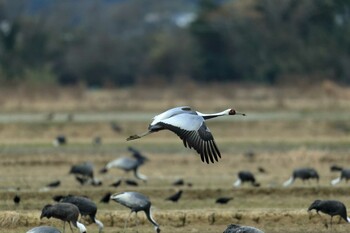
(285, 129)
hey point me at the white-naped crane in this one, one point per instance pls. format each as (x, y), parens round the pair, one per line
(303, 174)
(127, 164)
(344, 175)
(234, 228)
(190, 126)
(66, 212)
(330, 207)
(44, 229)
(86, 208)
(136, 202)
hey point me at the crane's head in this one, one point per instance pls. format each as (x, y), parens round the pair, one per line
(314, 205)
(233, 112)
(157, 229)
(45, 212)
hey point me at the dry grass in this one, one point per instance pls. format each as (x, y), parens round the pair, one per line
(280, 143)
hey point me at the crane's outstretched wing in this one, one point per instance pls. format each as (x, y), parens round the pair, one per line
(195, 134)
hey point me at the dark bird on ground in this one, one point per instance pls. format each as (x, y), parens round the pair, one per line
(127, 164)
(245, 176)
(131, 182)
(178, 182)
(117, 183)
(97, 141)
(250, 154)
(57, 198)
(303, 174)
(330, 207)
(261, 170)
(16, 199)
(175, 197)
(136, 202)
(106, 198)
(344, 175)
(44, 229)
(116, 127)
(60, 140)
(234, 228)
(66, 212)
(54, 184)
(223, 200)
(190, 126)
(86, 208)
(336, 168)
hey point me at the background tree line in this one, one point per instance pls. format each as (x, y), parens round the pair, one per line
(116, 42)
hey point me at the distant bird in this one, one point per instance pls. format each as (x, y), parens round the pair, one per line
(175, 197)
(344, 175)
(44, 229)
(336, 168)
(131, 182)
(178, 182)
(116, 127)
(261, 170)
(223, 200)
(97, 141)
(57, 198)
(54, 184)
(50, 116)
(303, 174)
(16, 199)
(136, 202)
(190, 126)
(106, 198)
(66, 212)
(250, 154)
(60, 140)
(127, 164)
(116, 183)
(70, 117)
(245, 176)
(86, 208)
(233, 228)
(330, 207)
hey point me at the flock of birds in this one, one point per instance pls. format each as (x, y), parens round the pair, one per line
(190, 126)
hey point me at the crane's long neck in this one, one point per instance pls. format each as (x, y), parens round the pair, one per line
(100, 225)
(139, 175)
(208, 116)
(150, 217)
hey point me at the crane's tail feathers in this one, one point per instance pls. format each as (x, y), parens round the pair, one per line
(237, 183)
(135, 136)
(288, 182)
(335, 181)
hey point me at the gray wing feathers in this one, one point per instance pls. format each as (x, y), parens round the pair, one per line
(201, 140)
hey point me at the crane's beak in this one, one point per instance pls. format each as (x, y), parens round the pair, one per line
(239, 113)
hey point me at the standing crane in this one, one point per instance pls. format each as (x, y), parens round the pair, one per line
(66, 212)
(344, 175)
(303, 174)
(190, 126)
(136, 202)
(86, 207)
